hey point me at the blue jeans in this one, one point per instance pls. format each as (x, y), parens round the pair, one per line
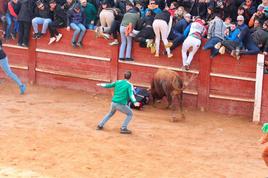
(38, 20)
(9, 20)
(5, 66)
(78, 28)
(251, 47)
(126, 41)
(122, 108)
(210, 45)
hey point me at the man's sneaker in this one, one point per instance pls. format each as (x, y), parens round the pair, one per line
(79, 44)
(99, 127)
(218, 45)
(51, 40)
(58, 37)
(22, 89)
(152, 46)
(187, 67)
(40, 35)
(121, 59)
(170, 55)
(169, 44)
(24, 45)
(125, 131)
(106, 36)
(35, 35)
(149, 42)
(129, 59)
(222, 50)
(115, 42)
(74, 44)
(13, 36)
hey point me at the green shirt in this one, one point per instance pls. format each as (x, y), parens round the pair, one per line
(130, 18)
(123, 91)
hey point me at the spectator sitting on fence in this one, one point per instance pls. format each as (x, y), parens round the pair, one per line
(215, 34)
(76, 20)
(128, 23)
(234, 40)
(12, 15)
(193, 41)
(179, 14)
(90, 13)
(176, 34)
(59, 21)
(146, 35)
(42, 16)
(115, 27)
(106, 17)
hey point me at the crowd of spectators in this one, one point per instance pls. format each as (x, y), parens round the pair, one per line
(234, 26)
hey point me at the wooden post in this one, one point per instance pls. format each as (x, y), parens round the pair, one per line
(114, 63)
(258, 88)
(32, 60)
(204, 80)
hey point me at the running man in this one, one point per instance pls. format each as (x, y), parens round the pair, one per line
(123, 91)
(6, 68)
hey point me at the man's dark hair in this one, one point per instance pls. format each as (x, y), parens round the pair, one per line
(127, 75)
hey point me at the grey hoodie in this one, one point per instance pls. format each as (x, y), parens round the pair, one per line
(216, 28)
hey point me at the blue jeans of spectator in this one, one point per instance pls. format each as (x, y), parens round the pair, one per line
(5, 66)
(37, 21)
(126, 41)
(9, 20)
(210, 45)
(251, 47)
(78, 28)
(178, 39)
(118, 107)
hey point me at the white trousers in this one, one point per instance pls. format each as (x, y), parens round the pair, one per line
(160, 28)
(188, 43)
(106, 19)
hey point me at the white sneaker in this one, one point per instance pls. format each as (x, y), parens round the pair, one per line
(51, 40)
(115, 42)
(106, 36)
(58, 37)
(149, 42)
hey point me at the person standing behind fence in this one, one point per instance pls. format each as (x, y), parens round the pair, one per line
(59, 21)
(42, 16)
(76, 20)
(13, 8)
(128, 23)
(162, 25)
(6, 68)
(25, 18)
(123, 91)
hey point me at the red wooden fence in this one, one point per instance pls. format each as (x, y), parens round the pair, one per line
(223, 84)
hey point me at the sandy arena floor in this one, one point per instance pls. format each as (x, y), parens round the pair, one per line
(50, 133)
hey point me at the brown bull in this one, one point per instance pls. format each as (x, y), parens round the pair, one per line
(168, 83)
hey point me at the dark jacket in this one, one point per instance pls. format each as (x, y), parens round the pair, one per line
(2, 53)
(42, 13)
(180, 26)
(74, 17)
(260, 37)
(15, 7)
(244, 33)
(60, 16)
(26, 11)
(164, 15)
